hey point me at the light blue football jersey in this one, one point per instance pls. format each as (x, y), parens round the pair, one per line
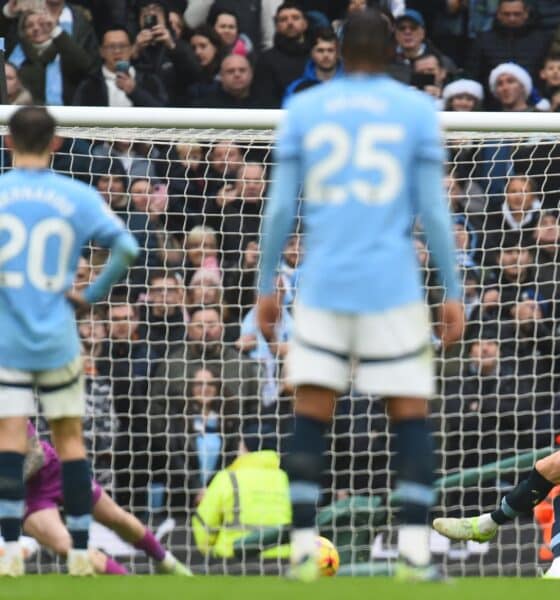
(358, 140)
(45, 220)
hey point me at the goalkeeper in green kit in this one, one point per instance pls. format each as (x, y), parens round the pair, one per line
(519, 502)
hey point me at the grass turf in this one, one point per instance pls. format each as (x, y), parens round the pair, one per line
(60, 587)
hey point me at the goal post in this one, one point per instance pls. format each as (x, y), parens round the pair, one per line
(177, 375)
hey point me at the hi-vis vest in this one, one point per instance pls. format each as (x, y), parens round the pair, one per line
(252, 493)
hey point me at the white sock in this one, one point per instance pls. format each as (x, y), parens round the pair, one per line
(168, 560)
(554, 568)
(12, 549)
(304, 543)
(414, 544)
(486, 524)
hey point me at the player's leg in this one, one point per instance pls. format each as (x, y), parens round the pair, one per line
(520, 501)
(13, 445)
(395, 362)
(318, 364)
(61, 394)
(47, 527)
(16, 403)
(414, 466)
(107, 512)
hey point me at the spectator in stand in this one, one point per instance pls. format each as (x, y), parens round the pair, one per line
(270, 354)
(225, 23)
(201, 252)
(17, 93)
(547, 258)
(156, 49)
(431, 65)
(255, 17)
(323, 65)
(463, 95)
(164, 324)
(118, 83)
(518, 212)
(235, 88)
(513, 38)
(50, 62)
(209, 51)
(277, 67)
(240, 279)
(128, 367)
(242, 208)
(100, 422)
(550, 75)
(390, 7)
(410, 35)
(511, 86)
(70, 18)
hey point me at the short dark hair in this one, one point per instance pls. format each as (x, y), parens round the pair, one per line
(116, 27)
(325, 34)
(366, 37)
(32, 129)
(216, 11)
(289, 5)
(435, 55)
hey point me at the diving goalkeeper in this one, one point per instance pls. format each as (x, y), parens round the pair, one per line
(519, 502)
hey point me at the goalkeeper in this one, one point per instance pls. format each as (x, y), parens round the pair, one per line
(519, 502)
(42, 521)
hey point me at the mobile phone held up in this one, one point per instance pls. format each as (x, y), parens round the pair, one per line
(149, 21)
(122, 66)
(421, 80)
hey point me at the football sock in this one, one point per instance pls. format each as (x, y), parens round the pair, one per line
(414, 465)
(112, 567)
(12, 492)
(523, 498)
(76, 490)
(555, 537)
(304, 465)
(151, 546)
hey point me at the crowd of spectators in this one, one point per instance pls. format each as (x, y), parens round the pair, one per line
(176, 368)
(468, 54)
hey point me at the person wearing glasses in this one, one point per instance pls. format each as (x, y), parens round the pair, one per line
(118, 83)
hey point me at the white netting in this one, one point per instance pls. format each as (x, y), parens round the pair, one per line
(173, 376)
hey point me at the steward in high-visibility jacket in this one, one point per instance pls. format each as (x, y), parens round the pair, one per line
(252, 492)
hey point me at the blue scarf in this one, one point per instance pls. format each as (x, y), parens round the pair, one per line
(208, 447)
(53, 79)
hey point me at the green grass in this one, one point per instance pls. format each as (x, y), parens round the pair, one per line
(60, 587)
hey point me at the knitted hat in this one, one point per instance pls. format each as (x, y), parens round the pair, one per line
(515, 71)
(463, 86)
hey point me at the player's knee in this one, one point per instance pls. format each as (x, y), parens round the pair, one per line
(401, 409)
(549, 467)
(61, 543)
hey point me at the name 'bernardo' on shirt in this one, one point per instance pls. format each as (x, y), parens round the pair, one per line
(37, 194)
(363, 102)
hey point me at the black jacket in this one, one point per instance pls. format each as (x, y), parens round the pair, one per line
(526, 46)
(149, 91)
(277, 67)
(221, 99)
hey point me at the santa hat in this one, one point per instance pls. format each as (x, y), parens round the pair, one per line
(515, 71)
(463, 86)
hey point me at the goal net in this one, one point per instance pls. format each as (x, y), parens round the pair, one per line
(178, 375)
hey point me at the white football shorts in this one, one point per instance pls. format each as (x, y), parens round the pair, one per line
(60, 391)
(386, 353)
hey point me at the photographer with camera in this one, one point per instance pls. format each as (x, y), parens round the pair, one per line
(157, 49)
(118, 82)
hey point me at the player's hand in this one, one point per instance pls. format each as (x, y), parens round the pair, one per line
(77, 300)
(268, 313)
(451, 322)
(162, 35)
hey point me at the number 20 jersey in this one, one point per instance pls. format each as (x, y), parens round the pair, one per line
(45, 221)
(358, 140)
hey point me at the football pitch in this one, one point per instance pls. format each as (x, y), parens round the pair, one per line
(60, 587)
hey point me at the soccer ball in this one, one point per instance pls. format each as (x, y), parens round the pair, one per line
(327, 557)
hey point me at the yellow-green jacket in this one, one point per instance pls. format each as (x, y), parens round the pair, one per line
(252, 492)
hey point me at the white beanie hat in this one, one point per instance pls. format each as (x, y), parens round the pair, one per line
(463, 86)
(516, 71)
